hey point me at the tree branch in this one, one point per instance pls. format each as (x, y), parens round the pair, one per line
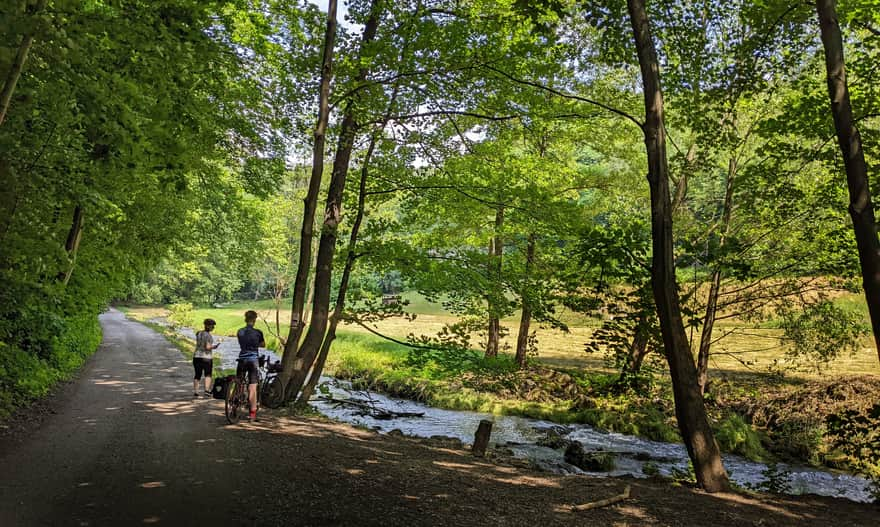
(558, 93)
(392, 339)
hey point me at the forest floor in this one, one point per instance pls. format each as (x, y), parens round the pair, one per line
(126, 443)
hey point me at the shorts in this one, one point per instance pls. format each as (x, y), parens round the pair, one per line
(203, 366)
(251, 367)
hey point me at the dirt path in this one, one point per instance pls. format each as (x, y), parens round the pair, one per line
(127, 445)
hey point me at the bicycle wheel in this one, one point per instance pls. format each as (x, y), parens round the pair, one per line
(234, 405)
(272, 393)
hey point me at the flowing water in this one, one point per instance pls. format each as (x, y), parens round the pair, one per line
(521, 436)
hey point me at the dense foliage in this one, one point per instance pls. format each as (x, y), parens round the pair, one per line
(127, 138)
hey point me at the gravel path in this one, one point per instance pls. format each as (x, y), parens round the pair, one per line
(126, 444)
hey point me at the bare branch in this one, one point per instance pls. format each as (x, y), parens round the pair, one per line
(392, 339)
(558, 93)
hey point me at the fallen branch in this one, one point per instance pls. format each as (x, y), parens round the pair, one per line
(373, 411)
(602, 503)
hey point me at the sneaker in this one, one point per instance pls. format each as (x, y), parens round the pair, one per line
(252, 416)
(208, 393)
(195, 394)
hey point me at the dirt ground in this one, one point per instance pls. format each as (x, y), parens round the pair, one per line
(126, 444)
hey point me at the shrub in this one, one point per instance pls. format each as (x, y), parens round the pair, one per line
(25, 376)
(775, 481)
(821, 332)
(650, 469)
(735, 435)
(181, 314)
(801, 438)
(857, 434)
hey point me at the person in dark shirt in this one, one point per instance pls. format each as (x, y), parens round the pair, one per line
(250, 340)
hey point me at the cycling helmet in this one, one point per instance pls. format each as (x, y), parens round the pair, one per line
(210, 322)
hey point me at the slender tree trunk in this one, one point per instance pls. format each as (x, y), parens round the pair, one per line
(637, 351)
(496, 255)
(310, 296)
(681, 186)
(338, 310)
(291, 346)
(715, 284)
(522, 338)
(278, 294)
(492, 342)
(314, 338)
(17, 65)
(708, 326)
(689, 408)
(74, 235)
(861, 210)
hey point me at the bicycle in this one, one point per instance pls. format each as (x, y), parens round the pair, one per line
(269, 390)
(236, 401)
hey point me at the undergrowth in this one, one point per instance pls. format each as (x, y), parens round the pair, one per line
(26, 376)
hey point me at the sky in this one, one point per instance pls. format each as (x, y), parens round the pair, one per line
(341, 9)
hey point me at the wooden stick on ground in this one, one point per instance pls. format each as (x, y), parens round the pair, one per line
(602, 503)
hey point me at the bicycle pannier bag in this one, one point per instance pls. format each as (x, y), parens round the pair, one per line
(220, 387)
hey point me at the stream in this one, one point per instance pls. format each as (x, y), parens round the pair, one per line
(521, 435)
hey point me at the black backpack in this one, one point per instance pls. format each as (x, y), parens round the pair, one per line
(220, 387)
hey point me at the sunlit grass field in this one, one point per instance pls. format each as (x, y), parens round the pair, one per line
(746, 350)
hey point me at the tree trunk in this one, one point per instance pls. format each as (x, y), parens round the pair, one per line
(310, 295)
(314, 338)
(861, 210)
(279, 292)
(689, 408)
(496, 255)
(715, 285)
(338, 310)
(706, 334)
(291, 346)
(637, 351)
(17, 65)
(681, 185)
(74, 236)
(522, 338)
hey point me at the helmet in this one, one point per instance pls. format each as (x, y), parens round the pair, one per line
(210, 322)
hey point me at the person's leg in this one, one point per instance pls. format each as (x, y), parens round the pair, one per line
(253, 378)
(209, 370)
(252, 398)
(196, 377)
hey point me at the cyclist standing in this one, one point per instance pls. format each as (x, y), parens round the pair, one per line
(251, 340)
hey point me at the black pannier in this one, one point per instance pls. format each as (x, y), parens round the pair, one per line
(220, 387)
